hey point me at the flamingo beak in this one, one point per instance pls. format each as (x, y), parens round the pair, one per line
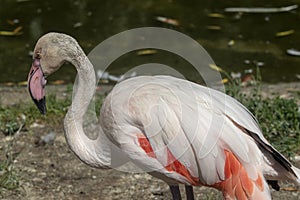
(36, 85)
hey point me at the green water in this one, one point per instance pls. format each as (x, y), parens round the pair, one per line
(92, 21)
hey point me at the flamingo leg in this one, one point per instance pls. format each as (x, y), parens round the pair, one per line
(175, 192)
(189, 192)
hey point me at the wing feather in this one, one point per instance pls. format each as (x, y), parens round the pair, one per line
(189, 120)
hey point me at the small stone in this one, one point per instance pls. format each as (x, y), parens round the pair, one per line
(37, 179)
(58, 189)
(42, 174)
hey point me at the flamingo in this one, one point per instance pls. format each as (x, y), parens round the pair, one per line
(179, 131)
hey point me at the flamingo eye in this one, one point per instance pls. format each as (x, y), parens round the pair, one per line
(38, 55)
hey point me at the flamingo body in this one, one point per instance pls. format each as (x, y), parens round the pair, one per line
(175, 130)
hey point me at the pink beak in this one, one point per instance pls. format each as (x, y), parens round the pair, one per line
(36, 85)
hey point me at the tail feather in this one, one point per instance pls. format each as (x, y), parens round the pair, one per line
(297, 172)
(267, 148)
(282, 167)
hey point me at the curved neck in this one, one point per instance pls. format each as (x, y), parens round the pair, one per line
(95, 153)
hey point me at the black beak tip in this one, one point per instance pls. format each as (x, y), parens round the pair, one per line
(41, 104)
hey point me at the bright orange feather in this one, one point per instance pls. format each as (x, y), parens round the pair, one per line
(173, 164)
(237, 183)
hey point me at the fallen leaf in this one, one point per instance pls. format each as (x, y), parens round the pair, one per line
(285, 33)
(293, 52)
(212, 27)
(261, 9)
(224, 80)
(58, 82)
(146, 52)
(289, 189)
(15, 32)
(9, 84)
(215, 67)
(216, 15)
(10, 22)
(18, 29)
(166, 20)
(22, 83)
(77, 25)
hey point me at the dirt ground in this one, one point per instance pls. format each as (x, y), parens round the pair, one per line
(52, 171)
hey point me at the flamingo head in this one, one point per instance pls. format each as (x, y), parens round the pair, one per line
(50, 53)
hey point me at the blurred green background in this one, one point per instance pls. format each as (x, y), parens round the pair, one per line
(236, 41)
